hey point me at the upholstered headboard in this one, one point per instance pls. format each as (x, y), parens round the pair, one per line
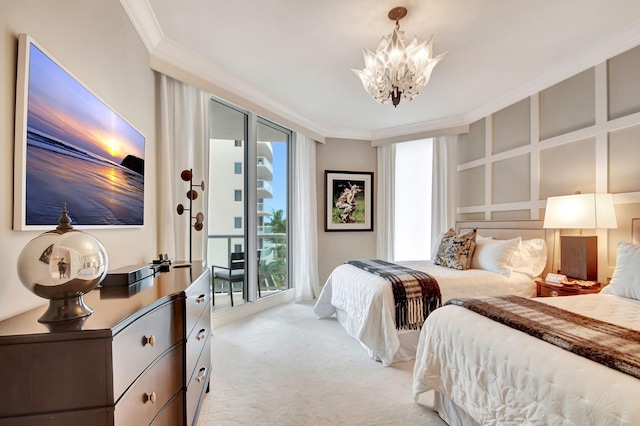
(504, 230)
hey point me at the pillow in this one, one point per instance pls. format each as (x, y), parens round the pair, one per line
(625, 280)
(494, 255)
(530, 257)
(456, 251)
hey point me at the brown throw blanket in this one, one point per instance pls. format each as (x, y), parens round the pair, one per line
(416, 293)
(609, 344)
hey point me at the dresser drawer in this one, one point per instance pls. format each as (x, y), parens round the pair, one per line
(143, 341)
(31, 376)
(196, 341)
(199, 383)
(198, 299)
(96, 417)
(172, 414)
(150, 393)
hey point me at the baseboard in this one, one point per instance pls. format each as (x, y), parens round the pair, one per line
(219, 319)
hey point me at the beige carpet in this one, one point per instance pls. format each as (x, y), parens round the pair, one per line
(286, 367)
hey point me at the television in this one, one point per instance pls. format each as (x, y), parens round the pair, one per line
(71, 148)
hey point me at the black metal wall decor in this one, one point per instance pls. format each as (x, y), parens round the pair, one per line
(192, 194)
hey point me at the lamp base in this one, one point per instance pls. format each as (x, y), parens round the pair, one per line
(71, 308)
(579, 256)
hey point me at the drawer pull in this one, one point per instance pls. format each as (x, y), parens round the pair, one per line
(151, 340)
(201, 299)
(554, 293)
(201, 334)
(150, 397)
(201, 374)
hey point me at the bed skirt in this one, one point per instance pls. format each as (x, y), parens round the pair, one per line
(450, 412)
(408, 340)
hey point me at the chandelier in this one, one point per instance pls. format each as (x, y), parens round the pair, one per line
(397, 73)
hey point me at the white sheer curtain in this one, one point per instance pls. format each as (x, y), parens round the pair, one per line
(385, 202)
(183, 144)
(303, 225)
(443, 210)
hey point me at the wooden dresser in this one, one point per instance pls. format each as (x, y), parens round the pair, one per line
(143, 357)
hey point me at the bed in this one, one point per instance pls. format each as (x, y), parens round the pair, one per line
(363, 303)
(486, 372)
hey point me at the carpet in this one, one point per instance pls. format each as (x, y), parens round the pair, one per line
(284, 367)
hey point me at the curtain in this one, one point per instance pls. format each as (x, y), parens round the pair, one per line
(385, 202)
(443, 210)
(304, 226)
(183, 144)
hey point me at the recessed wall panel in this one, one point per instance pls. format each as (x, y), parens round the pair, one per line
(511, 127)
(568, 168)
(624, 160)
(624, 83)
(568, 105)
(511, 180)
(511, 215)
(471, 146)
(471, 216)
(471, 187)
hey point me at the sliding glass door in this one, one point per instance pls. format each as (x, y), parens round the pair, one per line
(273, 144)
(248, 206)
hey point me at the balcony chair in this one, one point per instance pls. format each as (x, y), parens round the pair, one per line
(234, 273)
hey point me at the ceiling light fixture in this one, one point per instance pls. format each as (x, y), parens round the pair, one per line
(397, 73)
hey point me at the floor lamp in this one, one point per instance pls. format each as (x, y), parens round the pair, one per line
(579, 253)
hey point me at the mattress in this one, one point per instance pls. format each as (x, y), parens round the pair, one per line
(500, 375)
(363, 303)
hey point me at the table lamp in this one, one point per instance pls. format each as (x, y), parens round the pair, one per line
(579, 253)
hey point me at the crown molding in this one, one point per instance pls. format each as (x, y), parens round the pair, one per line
(144, 21)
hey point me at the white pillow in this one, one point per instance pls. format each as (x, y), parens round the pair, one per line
(625, 281)
(530, 257)
(494, 255)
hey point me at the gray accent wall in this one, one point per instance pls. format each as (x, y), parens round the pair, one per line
(581, 134)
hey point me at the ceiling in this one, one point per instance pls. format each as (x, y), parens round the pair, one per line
(294, 57)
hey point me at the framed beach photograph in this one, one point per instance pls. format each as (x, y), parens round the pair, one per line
(71, 148)
(348, 199)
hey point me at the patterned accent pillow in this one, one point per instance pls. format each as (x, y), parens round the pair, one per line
(456, 251)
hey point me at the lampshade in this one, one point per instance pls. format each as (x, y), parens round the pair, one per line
(580, 211)
(396, 72)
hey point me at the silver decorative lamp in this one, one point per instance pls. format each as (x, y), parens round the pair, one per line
(62, 265)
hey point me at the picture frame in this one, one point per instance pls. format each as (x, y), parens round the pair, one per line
(72, 149)
(348, 199)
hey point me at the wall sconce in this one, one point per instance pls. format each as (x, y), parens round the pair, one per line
(579, 253)
(192, 194)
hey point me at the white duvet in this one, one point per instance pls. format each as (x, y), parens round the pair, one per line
(364, 304)
(503, 376)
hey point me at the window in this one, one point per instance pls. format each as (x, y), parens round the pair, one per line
(237, 222)
(412, 214)
(237, 168)
(237, 195)
(237, 143)
(237, 248)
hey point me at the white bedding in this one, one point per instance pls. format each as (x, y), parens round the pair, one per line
(503, 376)
(363, 303)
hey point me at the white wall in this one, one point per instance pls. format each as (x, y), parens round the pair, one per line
(95, 40)
(335, 248)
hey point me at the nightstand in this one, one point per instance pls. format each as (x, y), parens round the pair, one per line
(545, 289)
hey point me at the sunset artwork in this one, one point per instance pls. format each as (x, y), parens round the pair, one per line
(78, 152)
